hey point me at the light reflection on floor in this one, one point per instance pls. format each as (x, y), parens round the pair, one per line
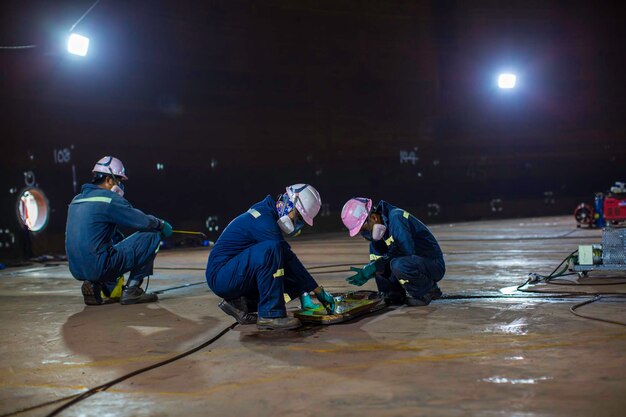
(514, 381)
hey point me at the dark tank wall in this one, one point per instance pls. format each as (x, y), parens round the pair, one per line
(213, 105)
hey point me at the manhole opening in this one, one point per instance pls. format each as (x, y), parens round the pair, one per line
(33, 210)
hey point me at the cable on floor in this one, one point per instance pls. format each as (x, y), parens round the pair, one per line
(35, 407)
(597, 297)
(74, 399)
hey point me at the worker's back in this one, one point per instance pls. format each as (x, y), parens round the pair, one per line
(89, 231)
(91, 221)
(256, 225)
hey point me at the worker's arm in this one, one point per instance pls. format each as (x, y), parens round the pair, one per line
(298, 271)
(379, 255)
(401, 235)
(123, 214)
(377, 249)
(264, 228)
(118, 236)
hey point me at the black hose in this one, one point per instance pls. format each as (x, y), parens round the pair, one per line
(103, 387)
(35, 407)
(178, 287)
(197, 268)
(597, 297)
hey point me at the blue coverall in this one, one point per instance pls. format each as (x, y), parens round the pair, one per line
(91, 235)
(252, 259)
(408, 256)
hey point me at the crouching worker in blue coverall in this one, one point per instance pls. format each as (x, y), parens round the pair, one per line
(251, 265)
(97, 253)
(405, 258)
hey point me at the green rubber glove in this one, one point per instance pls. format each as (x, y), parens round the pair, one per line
(327, 301)
(357, 279)
(369, 270)
(167, 230)
(362, 274)
(306, 303)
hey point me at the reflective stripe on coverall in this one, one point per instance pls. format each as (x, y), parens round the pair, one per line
(411, 257)
(251, 258)
(91, 236)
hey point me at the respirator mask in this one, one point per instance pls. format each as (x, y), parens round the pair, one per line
(118, 188)
(284, 206)
(377, 232)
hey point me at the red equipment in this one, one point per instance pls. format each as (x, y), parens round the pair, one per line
(584, 215)
(615, 208)
(607, 207)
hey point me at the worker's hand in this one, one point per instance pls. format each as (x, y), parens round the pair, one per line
(357, 279)
(362, 275)
(166, 230)
(369, 270)
(306, 303)
(327, 300)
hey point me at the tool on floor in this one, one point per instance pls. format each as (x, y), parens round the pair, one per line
(347, 307)
(187, 232)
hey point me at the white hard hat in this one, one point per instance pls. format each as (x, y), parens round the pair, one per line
(306, 200)
(110, 165)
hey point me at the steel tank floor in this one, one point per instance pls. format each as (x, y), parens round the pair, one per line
(485, 349)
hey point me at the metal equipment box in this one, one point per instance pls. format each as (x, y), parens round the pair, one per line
(613, 246)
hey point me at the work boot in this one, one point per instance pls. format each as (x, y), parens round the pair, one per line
(435, 293)
(238, 309)
(135, 295)
(277, 323)
(92, 293)
(392, 298)
(424, 300)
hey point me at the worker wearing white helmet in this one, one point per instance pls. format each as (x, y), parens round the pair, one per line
(251, 265)
(97, 252)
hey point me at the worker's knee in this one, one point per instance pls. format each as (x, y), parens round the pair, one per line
(150, 242)
(151, 237)
(417, 269)
(408, 267)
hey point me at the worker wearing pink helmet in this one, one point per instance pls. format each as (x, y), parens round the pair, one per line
(405, 258)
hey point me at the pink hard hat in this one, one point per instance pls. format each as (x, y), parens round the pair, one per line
(354, 213)
(110, 165)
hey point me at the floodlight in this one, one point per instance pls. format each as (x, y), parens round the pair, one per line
(506, 80)
(77, 44)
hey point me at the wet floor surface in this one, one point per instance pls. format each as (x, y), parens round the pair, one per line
(485, 349)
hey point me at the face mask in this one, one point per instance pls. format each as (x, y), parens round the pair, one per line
(284, 206)
(378, 231)
(288, 228)
(118, 189)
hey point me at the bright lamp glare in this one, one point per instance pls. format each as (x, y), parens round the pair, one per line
(77, 44)
(506, 80)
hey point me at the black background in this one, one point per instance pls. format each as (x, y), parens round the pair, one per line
(238, 99)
